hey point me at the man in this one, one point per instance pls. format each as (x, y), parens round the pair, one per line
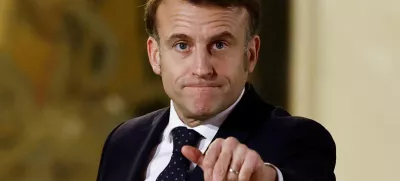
(216, 128)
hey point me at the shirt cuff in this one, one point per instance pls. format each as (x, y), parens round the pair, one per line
(278, 172)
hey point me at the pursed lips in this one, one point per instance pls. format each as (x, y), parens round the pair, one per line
(203, 85)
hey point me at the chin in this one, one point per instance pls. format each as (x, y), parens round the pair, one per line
(204, 110)
(202, 116)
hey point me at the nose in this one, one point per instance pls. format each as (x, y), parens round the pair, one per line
(203, 67)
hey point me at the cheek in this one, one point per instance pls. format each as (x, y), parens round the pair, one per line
(172, 70)
(168, 81)
(232, 66)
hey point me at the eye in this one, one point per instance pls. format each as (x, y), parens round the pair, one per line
(181, 47)
(219, 45)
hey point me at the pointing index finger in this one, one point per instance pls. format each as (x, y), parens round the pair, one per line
(193, 154)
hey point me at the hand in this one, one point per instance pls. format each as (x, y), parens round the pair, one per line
(224, 154)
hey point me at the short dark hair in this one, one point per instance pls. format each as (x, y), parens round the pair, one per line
(252, 7)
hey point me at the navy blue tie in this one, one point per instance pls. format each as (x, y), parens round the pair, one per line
(178, 167)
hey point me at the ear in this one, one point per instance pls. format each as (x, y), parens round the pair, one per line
(253, 52)
(153, 52)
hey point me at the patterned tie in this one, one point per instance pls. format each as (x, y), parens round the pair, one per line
(178, 168)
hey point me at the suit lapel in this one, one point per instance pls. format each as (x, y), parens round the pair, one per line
(154, 133)
(239, 123)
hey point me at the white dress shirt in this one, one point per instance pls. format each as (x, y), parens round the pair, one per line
(208, 130)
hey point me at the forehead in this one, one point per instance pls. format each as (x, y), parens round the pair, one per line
(180, 16)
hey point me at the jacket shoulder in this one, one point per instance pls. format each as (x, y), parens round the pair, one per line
(282, 118)
(304, 139)
(135, 124)
(286, 135)
(299, 131)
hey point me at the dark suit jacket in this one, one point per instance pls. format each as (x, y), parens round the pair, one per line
(301, 148)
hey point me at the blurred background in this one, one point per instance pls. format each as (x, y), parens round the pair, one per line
(71, 70)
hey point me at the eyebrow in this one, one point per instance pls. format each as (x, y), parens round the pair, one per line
(223, 35)
(181, 36)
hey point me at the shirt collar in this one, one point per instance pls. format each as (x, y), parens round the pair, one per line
(208, 129)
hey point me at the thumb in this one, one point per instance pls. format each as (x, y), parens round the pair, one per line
(193, 154)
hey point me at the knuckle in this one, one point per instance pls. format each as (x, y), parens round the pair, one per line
(252, 154)
(216, 144)
(230, 144)
(253, 158)
(219, 141)
(242, 147)
(232, 140)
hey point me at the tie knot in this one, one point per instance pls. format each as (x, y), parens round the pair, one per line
(183, 136)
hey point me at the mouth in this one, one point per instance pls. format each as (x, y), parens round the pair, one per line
(203, 85)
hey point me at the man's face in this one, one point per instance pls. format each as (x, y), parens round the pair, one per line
(203, 56)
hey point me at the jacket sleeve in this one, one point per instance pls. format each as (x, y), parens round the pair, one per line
(314, 157)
